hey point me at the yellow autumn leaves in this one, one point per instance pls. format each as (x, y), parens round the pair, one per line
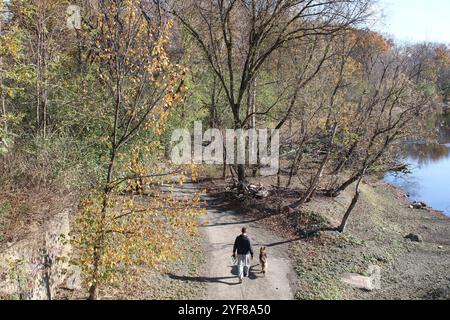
(137, 219)
(138, 231)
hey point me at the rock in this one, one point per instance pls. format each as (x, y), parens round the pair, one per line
(262, 194)
(358, 281)
(250, 190)
(418, 205)
(414, 237)
(290, 210)
(440, 247)
(41, 260)
(73, 281)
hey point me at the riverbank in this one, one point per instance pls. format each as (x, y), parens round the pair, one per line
(428, 176)
(375, 236)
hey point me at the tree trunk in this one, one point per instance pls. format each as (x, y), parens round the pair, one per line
(99, 242)
(256, 166)
(254, 103)
(345, 159)
(224, 167)
(38, 80)
(241, 175)
(240, 168)
(251, 110)
(93, 292)
(336, 192)
(367, 164)
(1, 86)
(295, 163)
(355, 199)
(279, 178)
(5, 125)
(319, 173)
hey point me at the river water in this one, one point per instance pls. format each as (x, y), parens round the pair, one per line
(429, 180)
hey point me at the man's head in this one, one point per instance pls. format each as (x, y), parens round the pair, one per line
(244, 230)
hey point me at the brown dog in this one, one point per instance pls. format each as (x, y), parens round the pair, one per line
(263, 260)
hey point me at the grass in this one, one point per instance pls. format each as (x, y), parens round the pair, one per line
(315, 282)
(307, 221)
(157, 285)
(321, 261)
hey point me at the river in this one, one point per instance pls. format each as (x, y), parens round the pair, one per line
(429, 179)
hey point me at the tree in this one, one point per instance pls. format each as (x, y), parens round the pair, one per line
(11, 51)
(238, 37)
(388, 109)
(42, 23)
(442, 60)
(128, 50)
(352, 205)
(364, 102)
(3, 94)
(326, 107)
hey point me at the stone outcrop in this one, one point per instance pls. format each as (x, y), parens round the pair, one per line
(418, 205)
(367, 283)
(414, 237)
(33, 268)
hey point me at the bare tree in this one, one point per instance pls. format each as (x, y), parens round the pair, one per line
(238, 37)
(388, 110)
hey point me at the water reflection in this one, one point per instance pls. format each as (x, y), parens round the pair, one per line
(444, 125)
(425, 154)
(430, 171)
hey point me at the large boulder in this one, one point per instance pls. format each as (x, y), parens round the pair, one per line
(414, 237)
(33, 268)
(367, 283)
(418, 205)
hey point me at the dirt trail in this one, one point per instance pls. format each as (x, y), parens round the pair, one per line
(219, 230)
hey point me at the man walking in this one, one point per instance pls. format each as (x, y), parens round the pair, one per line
(244, 248)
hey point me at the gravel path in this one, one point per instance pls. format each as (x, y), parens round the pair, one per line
(219, 229)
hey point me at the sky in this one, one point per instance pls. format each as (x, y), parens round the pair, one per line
(416, 20)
